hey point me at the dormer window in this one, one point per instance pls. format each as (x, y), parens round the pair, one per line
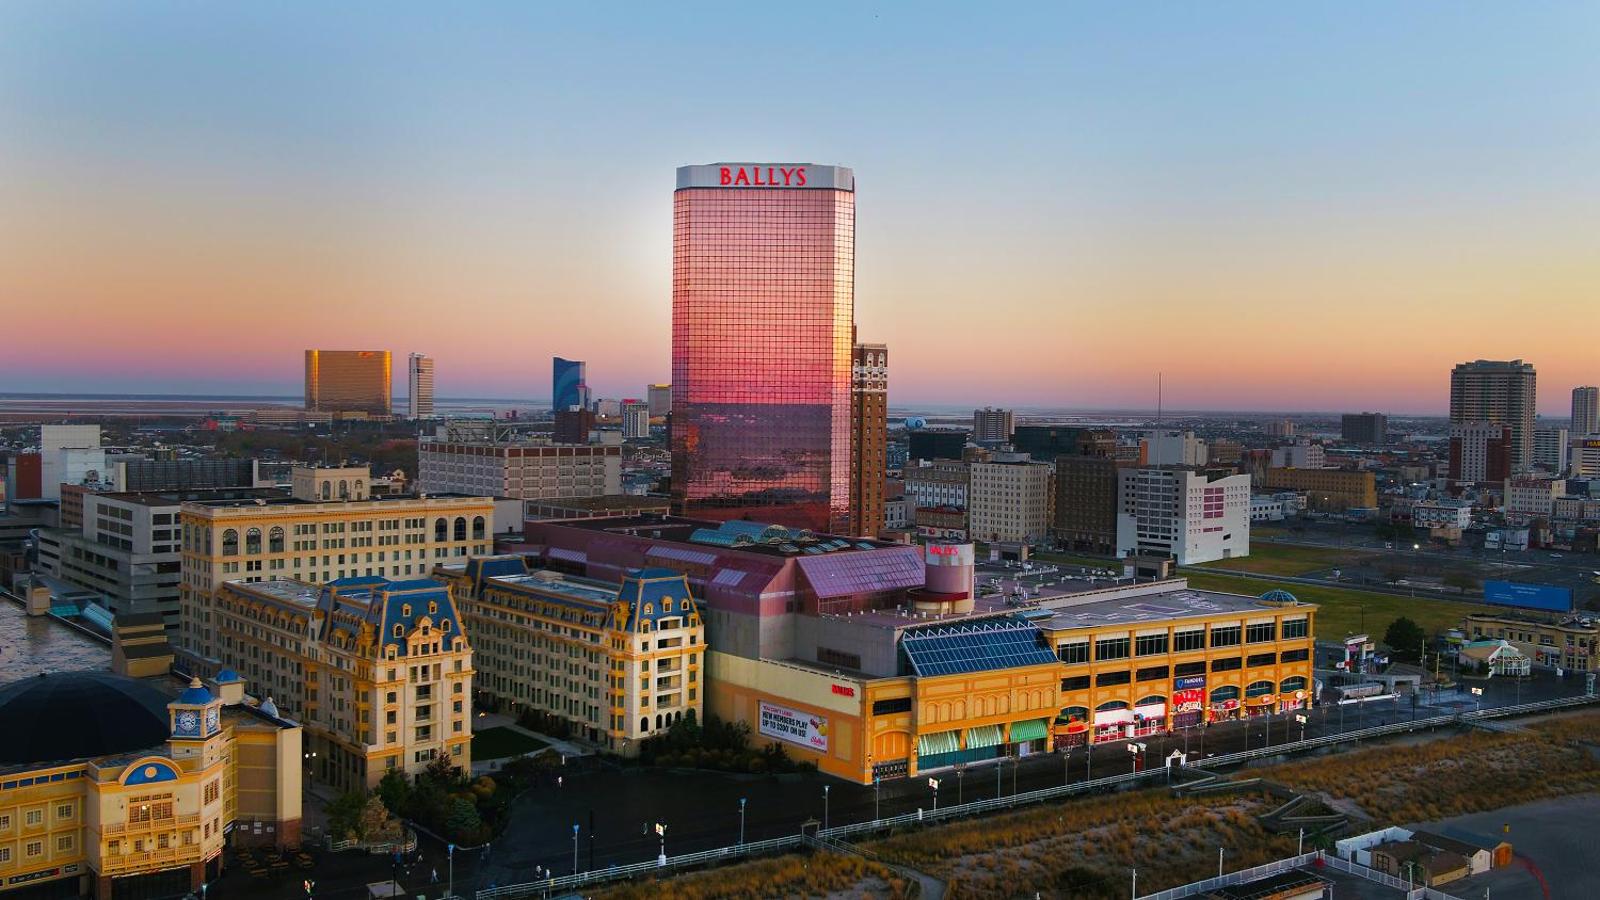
(649, 609)
(405, 610)
(399, 631)
(433, 608)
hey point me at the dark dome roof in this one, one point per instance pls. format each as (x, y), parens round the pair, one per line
(70, 715)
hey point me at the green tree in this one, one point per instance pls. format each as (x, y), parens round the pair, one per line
(1405, 639)
(461, 819)
(395, 792)
(344, 815)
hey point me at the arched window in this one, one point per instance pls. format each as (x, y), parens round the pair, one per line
(399, 631)
(1289, 685)
(441, 529)
(433, 607)
(1258, 689)
(230, 543)
(644, 723)
(461, 528)
(344, 489)
(477, 528)
(359, 484)
(275, 539)
(1152, 700)
(1110, 705)
(327, 490)
(666, 604)
(252, 541)
(1226, 692)
(444, 624)
(658, 720)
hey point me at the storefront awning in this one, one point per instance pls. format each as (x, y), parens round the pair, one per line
(984, 736)
(939, 742)
(1031, 730)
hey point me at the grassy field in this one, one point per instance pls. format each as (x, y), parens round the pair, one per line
(1290, 559)
(499, 743)
(1345, 611)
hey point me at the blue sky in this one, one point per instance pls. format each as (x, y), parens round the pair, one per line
(1054, 200)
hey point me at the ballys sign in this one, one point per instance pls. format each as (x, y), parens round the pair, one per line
(762, 176)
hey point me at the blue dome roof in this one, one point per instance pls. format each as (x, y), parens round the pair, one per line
(228, 675)
(195, 694)
(1279, 595)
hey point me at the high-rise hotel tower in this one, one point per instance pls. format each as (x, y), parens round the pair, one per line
(763, 314)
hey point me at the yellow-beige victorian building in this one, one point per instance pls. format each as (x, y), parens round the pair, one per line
(110, 788)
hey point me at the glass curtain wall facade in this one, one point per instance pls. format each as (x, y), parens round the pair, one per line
(348, 381)
(763, 310)
(568, 384)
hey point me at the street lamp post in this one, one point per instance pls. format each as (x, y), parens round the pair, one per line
(1135, 893)
(451, 853)
(1302, 720)
(1219, 862)
(574, 848)
(825, 806)
(661, 831)
(934, 783)
(741, 821)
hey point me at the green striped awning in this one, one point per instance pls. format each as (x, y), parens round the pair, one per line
(939, 742)
(1030, 730)
(984, 736)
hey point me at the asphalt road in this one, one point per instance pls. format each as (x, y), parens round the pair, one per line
(616, 811)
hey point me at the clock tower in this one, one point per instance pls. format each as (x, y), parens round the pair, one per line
(195, 718)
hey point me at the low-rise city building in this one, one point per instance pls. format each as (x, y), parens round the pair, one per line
(1326, 490)
(1568, 642)
(111, 788)
(1011, 498)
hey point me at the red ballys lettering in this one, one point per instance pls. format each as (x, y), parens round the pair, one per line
(759, 176)
(843, 691)
(942, 549)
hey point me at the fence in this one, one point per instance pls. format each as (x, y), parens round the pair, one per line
(840, 833)
(1318, 858)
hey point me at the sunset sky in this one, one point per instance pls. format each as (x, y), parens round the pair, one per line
(1280, 206)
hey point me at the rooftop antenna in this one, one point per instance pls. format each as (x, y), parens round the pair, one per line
(1158, 399)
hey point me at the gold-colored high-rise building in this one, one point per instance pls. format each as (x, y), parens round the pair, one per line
(869, 437)
(347, 381)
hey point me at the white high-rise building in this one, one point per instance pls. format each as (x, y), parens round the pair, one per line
(635, 419)
(1550, 446)
(1501, 393)
(1585, 411)
(70, 454)
(419, 392)
(1174, 448)
(1299, 455)
(1193, 515)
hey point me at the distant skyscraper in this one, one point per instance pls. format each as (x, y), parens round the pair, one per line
(1364, 428)
(992, 426)
(1550, 449)
(660, 397)
(419, 389)
(763, 309)
(1481, 452)
(635, 419)
(348, 381)
(869, 437)
(1585, 411)
(569, 384)
(1502, 393)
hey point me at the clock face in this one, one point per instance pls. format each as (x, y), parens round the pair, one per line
(188, 721)
(211, 719)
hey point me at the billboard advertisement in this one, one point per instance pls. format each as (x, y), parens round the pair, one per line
(794, 726)
(1547, 597)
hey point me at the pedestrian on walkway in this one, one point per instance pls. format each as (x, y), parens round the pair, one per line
(435, 876)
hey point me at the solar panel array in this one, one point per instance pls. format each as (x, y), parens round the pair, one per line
(975, 647)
